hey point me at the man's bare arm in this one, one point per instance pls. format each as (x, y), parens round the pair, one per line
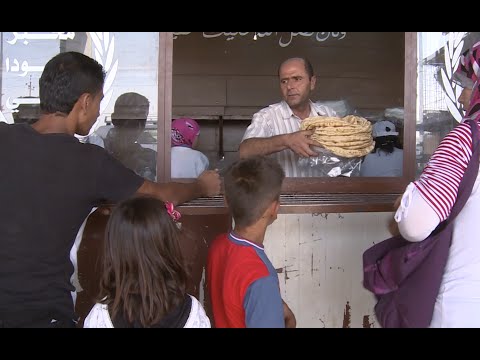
(262, 146)
(299, 142)
(207, 184)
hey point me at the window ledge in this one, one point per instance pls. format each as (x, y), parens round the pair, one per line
(303, 204)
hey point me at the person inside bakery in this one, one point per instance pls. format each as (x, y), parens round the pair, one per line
(275, 129)
(386, 159)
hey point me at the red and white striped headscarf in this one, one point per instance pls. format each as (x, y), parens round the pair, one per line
(468, 69)
(467, 75)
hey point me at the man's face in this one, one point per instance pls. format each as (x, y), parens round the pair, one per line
(295, 83)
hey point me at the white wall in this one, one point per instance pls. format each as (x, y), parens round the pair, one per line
(319, 260)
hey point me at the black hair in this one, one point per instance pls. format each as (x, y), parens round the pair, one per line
(65, 78)
(387, 143)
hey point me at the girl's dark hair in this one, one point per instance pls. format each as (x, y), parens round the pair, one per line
(144, 274)
(251, 185)
(387, 143)
(65, 78)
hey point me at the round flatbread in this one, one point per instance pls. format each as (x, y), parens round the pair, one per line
(350, 136)
(350, 153)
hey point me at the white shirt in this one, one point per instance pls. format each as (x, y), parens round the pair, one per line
(278, 119)
(187, 162)
(99, 317)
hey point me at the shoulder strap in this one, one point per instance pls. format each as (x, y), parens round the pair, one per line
(470, 175)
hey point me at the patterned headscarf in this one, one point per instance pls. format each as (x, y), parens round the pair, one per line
(184, 132)
(467, 75)
(468, 70)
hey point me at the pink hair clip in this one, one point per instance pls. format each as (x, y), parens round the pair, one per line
(174, 214)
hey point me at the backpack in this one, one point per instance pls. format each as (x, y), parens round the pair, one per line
(406, 276)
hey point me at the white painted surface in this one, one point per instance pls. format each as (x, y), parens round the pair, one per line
(319, 260)
(319, 257)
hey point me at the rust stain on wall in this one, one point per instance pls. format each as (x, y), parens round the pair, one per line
(311, 265)
(289, 272)
(347, 317)
(323, 215)
(323, 323)
(366, 322)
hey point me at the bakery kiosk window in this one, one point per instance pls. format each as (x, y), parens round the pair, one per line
(223, 79)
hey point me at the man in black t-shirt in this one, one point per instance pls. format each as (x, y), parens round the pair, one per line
(50, 182)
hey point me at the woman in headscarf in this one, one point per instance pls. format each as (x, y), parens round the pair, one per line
(466, 75)
(428, 201)
(186, 162)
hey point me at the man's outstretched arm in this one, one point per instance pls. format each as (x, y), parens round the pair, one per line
(299, 142)
(207, 184)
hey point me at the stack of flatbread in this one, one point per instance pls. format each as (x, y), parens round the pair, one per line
(350, 136)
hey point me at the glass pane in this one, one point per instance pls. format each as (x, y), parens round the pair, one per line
(438, 108)
(222, 79)
(131, 137)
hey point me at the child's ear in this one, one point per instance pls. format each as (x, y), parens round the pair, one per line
(277, 207)
(272, 211)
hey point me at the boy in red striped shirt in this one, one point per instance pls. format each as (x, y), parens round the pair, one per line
(242, 282)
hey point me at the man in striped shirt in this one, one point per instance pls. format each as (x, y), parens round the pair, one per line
(276, 128)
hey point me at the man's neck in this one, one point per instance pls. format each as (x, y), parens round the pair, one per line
(302, 111)
(54, 124)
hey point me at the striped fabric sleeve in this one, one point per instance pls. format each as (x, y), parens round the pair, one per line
(259, 127)
(439, 182)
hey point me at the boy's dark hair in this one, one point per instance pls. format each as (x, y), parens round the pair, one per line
(65, 78)
(251, 185)
(144, 276)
